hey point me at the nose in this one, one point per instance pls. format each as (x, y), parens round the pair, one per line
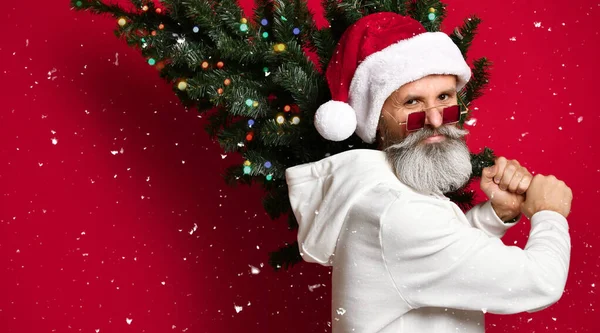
(434, 117)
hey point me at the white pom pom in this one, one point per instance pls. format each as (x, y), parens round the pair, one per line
(335, 121)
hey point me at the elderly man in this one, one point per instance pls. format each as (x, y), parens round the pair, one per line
(405, 258)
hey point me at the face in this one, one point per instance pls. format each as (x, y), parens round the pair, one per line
(431, 94)
(434, 159)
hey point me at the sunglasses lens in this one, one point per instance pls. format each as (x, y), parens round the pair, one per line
(415, 121)
(451, 114)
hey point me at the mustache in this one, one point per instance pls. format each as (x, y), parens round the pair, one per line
(449, 131)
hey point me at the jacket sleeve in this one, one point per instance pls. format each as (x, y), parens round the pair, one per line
(436, 261)
(484, 218)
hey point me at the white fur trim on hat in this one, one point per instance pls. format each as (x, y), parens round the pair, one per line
(383, 72)
(335, 121)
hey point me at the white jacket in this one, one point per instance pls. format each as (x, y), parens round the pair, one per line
(404, 262)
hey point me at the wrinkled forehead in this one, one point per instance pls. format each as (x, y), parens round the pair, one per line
(426, 86)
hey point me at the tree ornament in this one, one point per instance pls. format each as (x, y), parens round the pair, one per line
(295, 120)
(153, 33)
(280, 119)
(247, 163)
(144, 8)
(265, 35)
(249, 102)
(204, 65)
(250, 123)
(247, 170)
(249, 136)
(220, 64)
(160, 65)
(122, 22)
(243, 20)
(182, 85)
(151, 62)
(287, 108)
(79, 4)
(243, 27)
(227, 82)
(431, 16)
(264, 22)
(268, 165)
(220, 91)
(432, 10)
(255, 104)
(161, 26)
(196, 29)
(296, 31)
(158, 10)
(279, 47)
(283, 19)
(269, 177)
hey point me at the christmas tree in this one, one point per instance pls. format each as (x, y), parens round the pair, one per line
(261, 79)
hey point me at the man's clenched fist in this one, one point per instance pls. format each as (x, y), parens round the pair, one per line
(547, 193)
(504, 184)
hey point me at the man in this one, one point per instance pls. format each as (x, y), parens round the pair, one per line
(405, 259)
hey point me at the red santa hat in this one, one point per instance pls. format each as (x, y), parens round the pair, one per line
(376, 56)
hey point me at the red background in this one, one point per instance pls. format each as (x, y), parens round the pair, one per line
(89, 239)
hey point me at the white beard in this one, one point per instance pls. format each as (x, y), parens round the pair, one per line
(438, 167)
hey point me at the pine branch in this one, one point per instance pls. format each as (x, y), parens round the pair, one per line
(98, 7)
(481, 160)
(339, 20)
(463, 36)
(216, 121)
(287, 256)
(273, 134)
(303, 87)
(276, 202)
(462, 198)
(479, 80)
(234, 175)
(420, 10)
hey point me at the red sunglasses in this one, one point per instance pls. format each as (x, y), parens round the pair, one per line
(416, 120)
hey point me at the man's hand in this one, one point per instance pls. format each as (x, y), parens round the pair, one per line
(505, 184)
(548, 193)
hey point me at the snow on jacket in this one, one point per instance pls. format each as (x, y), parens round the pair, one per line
(405, 262)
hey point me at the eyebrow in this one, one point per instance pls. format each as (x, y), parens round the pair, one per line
(449, 91)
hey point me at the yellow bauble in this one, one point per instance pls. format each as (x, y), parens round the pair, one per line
(182, 85)
(122, 22)
(279, 47)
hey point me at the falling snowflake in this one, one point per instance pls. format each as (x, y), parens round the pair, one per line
(128, 320)
(471, 122)
(537, 24)
(54, 141)
(194, 228)
(314, 286)
(580, 119)
(513, 39)
(238, 309)
(254, 270)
